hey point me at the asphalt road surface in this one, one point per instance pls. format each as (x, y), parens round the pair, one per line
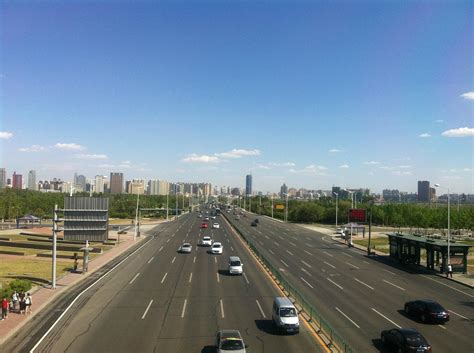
(159, 300)
(360, 296)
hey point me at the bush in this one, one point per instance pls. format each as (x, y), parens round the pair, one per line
(19, 285)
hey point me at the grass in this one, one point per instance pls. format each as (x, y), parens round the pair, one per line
(380, 244)
(23, 250)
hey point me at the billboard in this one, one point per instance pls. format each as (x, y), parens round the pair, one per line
(86, 218)
(357, 215)
(279, 207)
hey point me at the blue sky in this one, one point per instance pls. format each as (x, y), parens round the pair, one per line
(313, 94)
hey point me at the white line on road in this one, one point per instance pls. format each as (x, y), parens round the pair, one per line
(292, 244)
(305, 263)
(190, 277)
(218, 280)
(134, 278)
(444, 284)
(365, 284)
(343, 253)
(365, 262)
(231, 248)
(146, 310)
(261, 310)
(305, 281)
(308, 244)
(284, 263)
(172, 261)
(306, 271)
(306, 251)
(271, 252)
(276, 243)
(403, 289)
(222, 309)
(328, 253)
(393, 273)
(386, 318)
(337, 285)
(164, 277)
(327, 263)
(160, 249)
(151, 259)
(184, 308)
(444, 328)
(463, 317)
(347, 317)
(261, 242)
(215, 260)
(228, 240)
(168, 241)
(353, 265)
(194, 260)
(246, 279)
(289, 252)
(266, 236)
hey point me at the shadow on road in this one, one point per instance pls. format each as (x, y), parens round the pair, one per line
(380, 346)
(209, 349)
(266, 326)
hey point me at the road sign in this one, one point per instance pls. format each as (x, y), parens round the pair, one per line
(279, 207)
(357, 215)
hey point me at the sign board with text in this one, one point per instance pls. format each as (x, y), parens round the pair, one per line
(279, 207)
(357, 215)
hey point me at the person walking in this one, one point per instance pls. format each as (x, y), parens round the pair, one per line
(449, 273)
(22, 302)
(5, 305)
(15, 300)
(28, 302)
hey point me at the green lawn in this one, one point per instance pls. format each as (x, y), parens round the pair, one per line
(380, 243)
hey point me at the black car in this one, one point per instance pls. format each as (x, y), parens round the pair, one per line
(427, 311)
(253, 224)
(405, 340)
(256, 220)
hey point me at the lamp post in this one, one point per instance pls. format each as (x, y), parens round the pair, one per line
(286, 208)
(337, 197)
(449, 223)
(176, 199)
(136, 216)
(272, 205)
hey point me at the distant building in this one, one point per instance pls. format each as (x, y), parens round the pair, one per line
(99, 184)
(248, 185)
(424, 191)
(116, 183)
(79, 182)
(136, 186)
(283, 190)
(17, 181)
(391, 195)
(32, 180)
(3, 178)
(235, 191)
(158, 187)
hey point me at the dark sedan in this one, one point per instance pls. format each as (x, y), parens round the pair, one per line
(405, 340)
(427, 311)
(253, 224)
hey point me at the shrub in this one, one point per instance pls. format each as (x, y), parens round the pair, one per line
(18, 285)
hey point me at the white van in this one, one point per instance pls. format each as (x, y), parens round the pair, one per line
(285, 315)
(235, 266)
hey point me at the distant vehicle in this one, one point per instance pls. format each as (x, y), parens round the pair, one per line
(215, 225)
(285, 315)
(427, 311)
(405, 340)
(230, 341)
(253, 224)
(216, 248)
(256, 220)
(235, 265)
(199, 215)
(213, 217)
(237, 217)
(206, 241)
(340, 231)
(206, 218)
(185, 248)
(204, 225)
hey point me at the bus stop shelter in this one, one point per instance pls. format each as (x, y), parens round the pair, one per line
(407, 249)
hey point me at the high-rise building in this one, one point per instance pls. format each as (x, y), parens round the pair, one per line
(3, 178)
(158, 187)
(136, 187)
(283, 190)
(116, 183)
(248, 185)
(79, 182)
(32, 180)
(99, 184)
(423, 191)
(17, 181)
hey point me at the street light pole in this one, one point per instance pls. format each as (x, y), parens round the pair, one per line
(272, 205)
(136, 217)
(337, 197)
(449, 224)
(286, 209)
(167, 197)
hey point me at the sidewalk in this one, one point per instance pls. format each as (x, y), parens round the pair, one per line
(42, 296)
(465, 279)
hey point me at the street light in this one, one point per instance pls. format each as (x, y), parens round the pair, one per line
(337, 197)
(272, 204)
(449, 223)
(136, 215)
(286, 207)
(352, 196)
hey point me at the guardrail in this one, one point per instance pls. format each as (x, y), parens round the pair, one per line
(333, 339)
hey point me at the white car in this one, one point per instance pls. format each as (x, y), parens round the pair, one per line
(185, 248)
(215, 225)
(216, 248)
(206, 241)
(213, 217)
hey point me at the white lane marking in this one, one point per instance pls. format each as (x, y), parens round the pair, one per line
(228, 240)
(134, 278)
(403, 289)
(160, 249)
(365, 284)
(308, 252)
(164, 277)
(172, 236)
(276, 243)
(309, 245)
(327, 263)
(444, 284)
(444, 328)
(365, 262)
(151, 259)
(463, 317)
(328, 254)
(218, 280)
(281, 237)
(347, 317)
(353, 265)
(215, 260)
(292, 244)
(222, 309)
(259, 232)
(305, 263)
(306, 271)
(289, 252)
(284, 263)
(231, 248)
(393, 273)
(246, 279)
(147, 308)
(337, 285)
(184, 308)
(172, 261)
(169, 240)
(266, 236)
(190, 277)
(271, 252)
(386, 318)
(305, 281)
(260, 308)
(261, 242)
(343, 253)
(194, 260)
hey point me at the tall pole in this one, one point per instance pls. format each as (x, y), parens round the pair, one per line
(286, 209)
(370, 232)
(167, 197)
(272, 205)
(337, 197)
(55, 240)
(449, 229)
(250, 203)
(136, 217)
(176, 199)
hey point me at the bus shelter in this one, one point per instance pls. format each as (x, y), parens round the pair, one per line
(408, 248)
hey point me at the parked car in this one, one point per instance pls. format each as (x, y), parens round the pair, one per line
(205, 241)
(405, 340)
(185, 248)
(427, 311)
(216, 248)
(230, 341)
(204, 225)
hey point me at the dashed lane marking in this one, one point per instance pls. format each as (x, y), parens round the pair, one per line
(147, 308)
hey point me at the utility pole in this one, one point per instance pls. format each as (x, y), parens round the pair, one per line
(272, 205)
(55, 240)
(167, 197)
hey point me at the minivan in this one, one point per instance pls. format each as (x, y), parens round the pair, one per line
(235, 265)
(285, 315)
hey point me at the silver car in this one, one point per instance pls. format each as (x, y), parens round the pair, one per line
(185, 248)
(230, 341)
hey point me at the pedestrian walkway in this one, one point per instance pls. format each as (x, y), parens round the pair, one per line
(42, 296)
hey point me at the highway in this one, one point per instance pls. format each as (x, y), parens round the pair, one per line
(159, 300)
(358, 295)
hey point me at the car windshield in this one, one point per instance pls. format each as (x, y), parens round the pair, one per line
(434, 307)
(415, 339)
(232, 344)
(207, 238)
(216, 245)
(186, 245)
(235, 263)
(287, 312)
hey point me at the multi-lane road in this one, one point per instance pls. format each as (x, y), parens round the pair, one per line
(360, 296)
(158, 300)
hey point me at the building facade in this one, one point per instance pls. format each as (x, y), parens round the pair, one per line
(17, 181)
(3, 178)
(116, 183)
(248, 185)
(423, 191)
(32, 185)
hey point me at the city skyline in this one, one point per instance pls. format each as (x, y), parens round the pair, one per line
(330, 98)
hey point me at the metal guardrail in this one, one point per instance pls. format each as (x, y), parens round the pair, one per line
(334, 339)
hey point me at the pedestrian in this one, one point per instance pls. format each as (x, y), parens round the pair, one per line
(15, 300)
(28, 302)
(450, 271)
(5, 305)
(22, 302)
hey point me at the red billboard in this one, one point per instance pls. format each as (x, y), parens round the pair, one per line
(357, 215)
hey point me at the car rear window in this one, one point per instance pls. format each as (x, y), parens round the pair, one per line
(232, 344)
(235, 263)
(415, 339)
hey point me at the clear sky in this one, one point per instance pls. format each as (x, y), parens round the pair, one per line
(376, 94)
